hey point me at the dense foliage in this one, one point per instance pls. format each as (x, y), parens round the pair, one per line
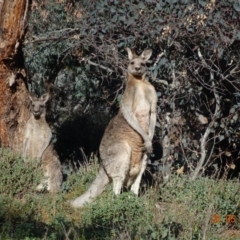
(79, 47)
(182, 209)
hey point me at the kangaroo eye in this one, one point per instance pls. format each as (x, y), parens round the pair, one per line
(143, 64)
(132, 63)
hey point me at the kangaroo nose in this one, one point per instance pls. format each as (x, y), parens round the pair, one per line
(137, 68)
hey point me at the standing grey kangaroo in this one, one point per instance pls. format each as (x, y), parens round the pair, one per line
(127, 140)
(37, 144)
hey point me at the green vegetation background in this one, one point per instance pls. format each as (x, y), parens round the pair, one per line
(179, 209)
(78, 47)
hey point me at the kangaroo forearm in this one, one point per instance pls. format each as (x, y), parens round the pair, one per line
(133, 122)
(153, 119)
(42, 150)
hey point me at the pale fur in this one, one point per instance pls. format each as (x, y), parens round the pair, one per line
(37, 144)
(127, 140)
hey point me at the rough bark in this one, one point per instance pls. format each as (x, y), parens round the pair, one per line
(13, 87)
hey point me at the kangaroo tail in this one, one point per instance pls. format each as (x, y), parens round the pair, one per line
(55, 177)
(96, 188)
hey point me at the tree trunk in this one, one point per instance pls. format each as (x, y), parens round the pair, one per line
(13, 86)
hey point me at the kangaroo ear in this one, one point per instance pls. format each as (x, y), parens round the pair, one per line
(45, 97)
(130, 53)
(146, 54)
(32, 96)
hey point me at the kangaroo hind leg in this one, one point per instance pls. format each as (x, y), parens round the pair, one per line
(118, 168)
(135, 186)
(54, 173)
(52, 178)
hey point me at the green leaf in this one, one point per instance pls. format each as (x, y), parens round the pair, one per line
(141, 5)
(202, 3)
(232, 110)
(154, 235)
(155, 73)
(130, 21)
(221, 137)
(236, 6)
(113, 9)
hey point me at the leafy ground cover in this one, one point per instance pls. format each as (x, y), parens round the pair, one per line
(178, 209)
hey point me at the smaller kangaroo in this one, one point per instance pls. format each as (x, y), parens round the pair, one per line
(37, 144)
(127, 140)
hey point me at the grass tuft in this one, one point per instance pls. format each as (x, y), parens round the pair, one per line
(180, 209)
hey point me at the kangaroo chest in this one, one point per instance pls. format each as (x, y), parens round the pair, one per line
(142, 102)
(39, 135)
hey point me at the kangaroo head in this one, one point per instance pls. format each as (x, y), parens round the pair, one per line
(38, 105)
(137, 64)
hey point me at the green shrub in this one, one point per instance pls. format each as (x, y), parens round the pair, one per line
(18, 181)
(180, 209)
(17, 178)
(200, 203)
(200, 194)
(113, 215)
(80, 180)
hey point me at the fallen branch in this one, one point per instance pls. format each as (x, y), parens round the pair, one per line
(58, 38)
(24, 18)
(101, 66)
(183, 151)
(208, 130)
(161, 81)
(158, 58)
(209, 157)
(207, 221)
(166, 158)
